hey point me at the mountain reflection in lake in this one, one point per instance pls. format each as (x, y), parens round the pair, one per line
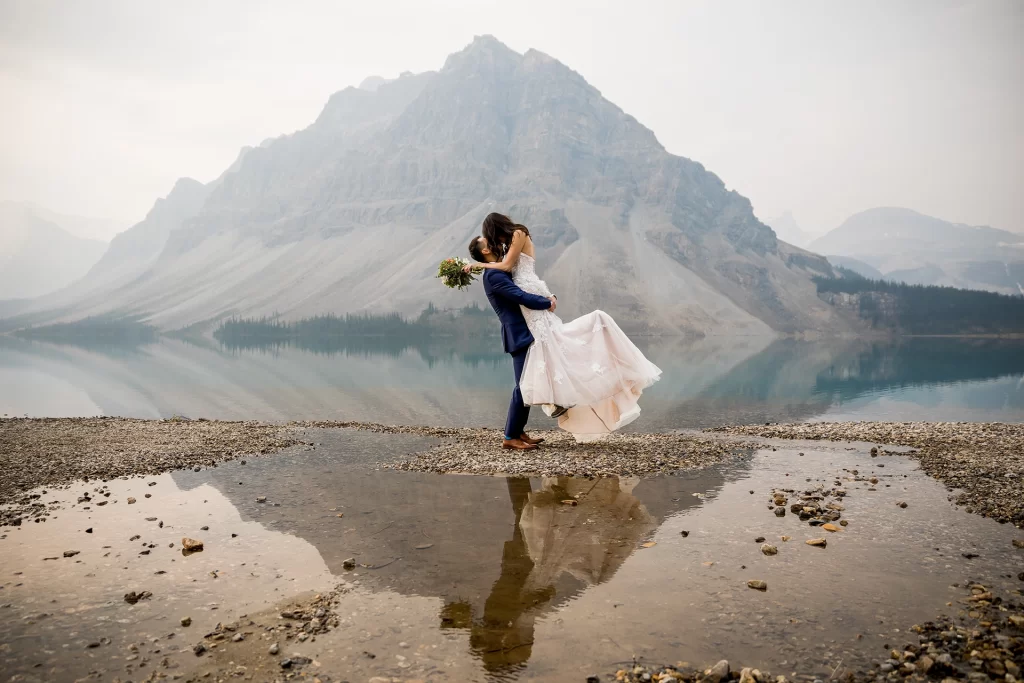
(466, 382)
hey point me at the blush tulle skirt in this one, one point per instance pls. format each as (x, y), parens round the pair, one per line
(588, 365)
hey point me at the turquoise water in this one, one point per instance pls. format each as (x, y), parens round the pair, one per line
(705, 382)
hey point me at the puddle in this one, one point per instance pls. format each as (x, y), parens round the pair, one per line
(483, 578)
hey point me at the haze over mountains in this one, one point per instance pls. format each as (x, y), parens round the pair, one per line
(353, 214)
(788, 230)
(904, 245)
(39, 253)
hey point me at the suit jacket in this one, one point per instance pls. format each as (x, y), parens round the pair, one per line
(506, 298)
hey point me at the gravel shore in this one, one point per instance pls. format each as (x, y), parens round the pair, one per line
(56, 452)
(984, 460)
(983, 642)
(627, 455)
(478, 451)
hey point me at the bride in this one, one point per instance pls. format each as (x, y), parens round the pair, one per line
(585, 372)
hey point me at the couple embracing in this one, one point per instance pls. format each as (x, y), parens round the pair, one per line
(586, 372)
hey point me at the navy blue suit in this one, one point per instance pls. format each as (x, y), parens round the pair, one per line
(506, 298)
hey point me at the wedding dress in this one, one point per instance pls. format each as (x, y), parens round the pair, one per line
(588, 365)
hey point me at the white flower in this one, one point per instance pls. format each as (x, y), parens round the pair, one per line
(598, 368)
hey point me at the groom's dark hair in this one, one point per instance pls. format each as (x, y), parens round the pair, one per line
(476, 250)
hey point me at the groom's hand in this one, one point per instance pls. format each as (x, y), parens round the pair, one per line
(554, 303)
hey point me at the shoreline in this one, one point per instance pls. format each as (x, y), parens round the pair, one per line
(56, 452)
(983, 637)
(983, 461)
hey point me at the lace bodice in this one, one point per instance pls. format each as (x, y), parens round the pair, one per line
(524, 274)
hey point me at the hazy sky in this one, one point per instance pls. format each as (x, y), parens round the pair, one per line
(824, 108)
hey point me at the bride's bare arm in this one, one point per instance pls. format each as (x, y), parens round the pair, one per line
(511, 256)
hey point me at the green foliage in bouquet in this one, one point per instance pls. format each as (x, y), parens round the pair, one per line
(450, 272)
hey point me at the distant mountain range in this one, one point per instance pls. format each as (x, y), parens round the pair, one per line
(353, 213)
(904, 245)
(39, 253)
(788, 230)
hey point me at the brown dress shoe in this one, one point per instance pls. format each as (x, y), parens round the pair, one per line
(524, 438)
(518, 444)
(559, 411)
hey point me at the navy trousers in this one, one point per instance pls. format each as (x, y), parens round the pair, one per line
(518, 414)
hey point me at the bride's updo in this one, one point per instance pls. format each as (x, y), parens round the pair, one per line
(498, 229)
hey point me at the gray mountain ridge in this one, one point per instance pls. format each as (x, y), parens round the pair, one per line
(904, 245)
(38, 254)
(353, 214)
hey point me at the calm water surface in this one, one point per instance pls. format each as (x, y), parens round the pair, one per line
(706, 382)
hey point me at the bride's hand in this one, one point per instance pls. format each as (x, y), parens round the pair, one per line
(468, 269)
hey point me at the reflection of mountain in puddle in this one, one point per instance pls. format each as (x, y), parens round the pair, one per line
(556, 551)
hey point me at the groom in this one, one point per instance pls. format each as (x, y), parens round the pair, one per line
(506, 298)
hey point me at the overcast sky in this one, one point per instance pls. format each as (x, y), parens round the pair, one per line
(822, 108)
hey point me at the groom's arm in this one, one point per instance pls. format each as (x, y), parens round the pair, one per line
(502, 285)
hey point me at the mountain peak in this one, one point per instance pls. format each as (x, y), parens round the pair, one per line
(483, 49)
(186, 184)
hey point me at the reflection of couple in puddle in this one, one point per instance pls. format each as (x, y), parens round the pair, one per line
(556, 550)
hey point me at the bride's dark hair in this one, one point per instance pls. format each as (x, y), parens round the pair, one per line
(498, 229)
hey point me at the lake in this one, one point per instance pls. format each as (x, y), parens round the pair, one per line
(706, 382)
(489, 578)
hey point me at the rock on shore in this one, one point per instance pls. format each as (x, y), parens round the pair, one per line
(985, 460)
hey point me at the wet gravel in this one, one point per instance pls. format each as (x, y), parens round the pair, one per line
(478, 451)
(983, 642)
(55, 452)
(984, 460)
(626, 455)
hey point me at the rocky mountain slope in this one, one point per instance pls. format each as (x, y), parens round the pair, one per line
(38, 255)
(910, 247)
(353, 214)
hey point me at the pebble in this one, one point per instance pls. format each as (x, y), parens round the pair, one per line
(186, 621)
(191, 544)
(718, 672)
(274, 649)
(133, 597)
(983, 461)
(757, 585)
(769, 549)
(817, 542)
